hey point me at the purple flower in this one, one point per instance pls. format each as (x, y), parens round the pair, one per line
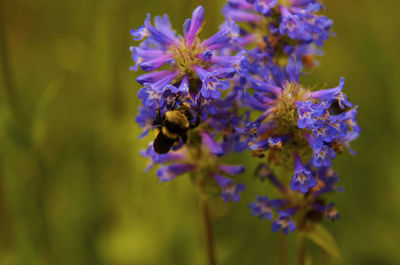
(307, 111)
(214, 147)
(284, 222)
(211, 83)
(239, 15)
(152, 77)
(140, 33)
(141, 54)
(324, 157)
(293, 26)
(329, 179)
(231, 170)
(329, 210)
(302, 180)
(351, 136)
(264, 6)
(348, 118)
(145, 120)
(333, 94)
(329, 132)
(275, 143)
(264, 207)
(230, 189)
(158, 34)
(194, 25)
(160, 159)
(183, 86)
(322, 154)
(260, 145)
(229, 32)
(168, 173)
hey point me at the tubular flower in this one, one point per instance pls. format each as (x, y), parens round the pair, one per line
(264, 207)
(280, 29)
(284, 222)
(207, 167)
(302, 179)
(299, 125)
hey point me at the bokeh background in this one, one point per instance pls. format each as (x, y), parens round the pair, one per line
(72, 187)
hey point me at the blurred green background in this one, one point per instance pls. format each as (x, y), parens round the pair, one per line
(72, 189)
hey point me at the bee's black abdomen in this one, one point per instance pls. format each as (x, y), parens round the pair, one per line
(162, 144)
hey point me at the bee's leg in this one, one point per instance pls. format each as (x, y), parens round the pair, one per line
(158, 120)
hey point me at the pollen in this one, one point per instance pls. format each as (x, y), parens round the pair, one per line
(185, 58)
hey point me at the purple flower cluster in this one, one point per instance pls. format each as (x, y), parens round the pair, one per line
(299, 124)
(273, 22)
(299, 129)
(176, 163)
(198, 96)
(183, 59)
(274, 31)
(186, 99)
(317, 182)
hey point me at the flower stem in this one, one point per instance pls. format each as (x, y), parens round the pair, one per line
(208, 232)
(282, 249)
(301, 255)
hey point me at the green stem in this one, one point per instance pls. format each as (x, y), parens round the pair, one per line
(208, 232)
(282, 249)
(301, 255)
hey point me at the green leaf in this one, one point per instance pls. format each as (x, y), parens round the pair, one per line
(324, 239)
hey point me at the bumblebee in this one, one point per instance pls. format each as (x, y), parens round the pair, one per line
(173, 126)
